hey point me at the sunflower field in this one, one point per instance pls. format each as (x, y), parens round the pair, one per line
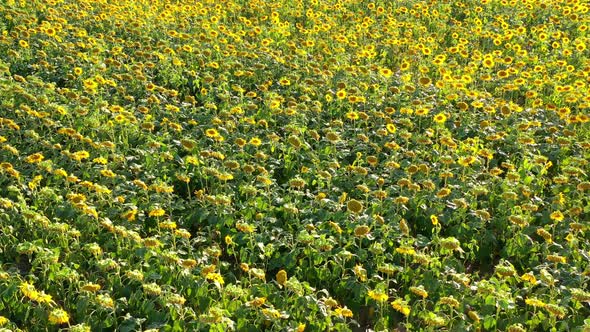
(305, 165)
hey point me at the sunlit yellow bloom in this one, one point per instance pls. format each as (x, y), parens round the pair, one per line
(211, 133)
(157, 212)
(360, 272)
(440, 118)
(34, 183)
(167, 225)
(215, 277)
(105, 301)
(555, 310)
(385, 72)
(343, 312)
(545, 235)
(107, 173)
(255, 141)
(391, 128)
(282, 277)
(245, 228)
(557, 216)
(434, 219)
(556, 259)
(29, 290)
(450, 301)
(90, 287)
(529, 277)
(152, 289)
(420, 291)
(377, 295)
(152, 243)
(335, 227)
(401, 306)
(129, 215)
(405, 250)
(35, 158)
(534, 302)
(80, 155)
(352, 115)
(257, 302)
(58, 317)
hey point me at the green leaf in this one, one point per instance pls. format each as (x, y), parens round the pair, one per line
(489, 322)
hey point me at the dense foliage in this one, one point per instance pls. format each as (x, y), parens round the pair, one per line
(294, 165)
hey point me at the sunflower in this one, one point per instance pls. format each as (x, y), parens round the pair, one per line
(240, 142)
(385, 72)
(281, 277)
(35, 158)
(129, 215)
(107, 173)
(401, 306)
(556, 259)
(420, 291)
(361, 231)
(434, 219)
(354, 206)
(377, 295)
(90, 287)
(360, 272)
(157, 212)
(255, 141)
(557, 216)
(215, 277)
(421, 111)
(105, 301)
(488, 63)
(257, 302)
(352, 115)
(58, 317)
(440, 118)
(29, 290)
(424, 81)
(225, 176)
(152, 289)
(211, 133)
(391, 128)
(188, 263)
(343, 312)
(80, 155)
